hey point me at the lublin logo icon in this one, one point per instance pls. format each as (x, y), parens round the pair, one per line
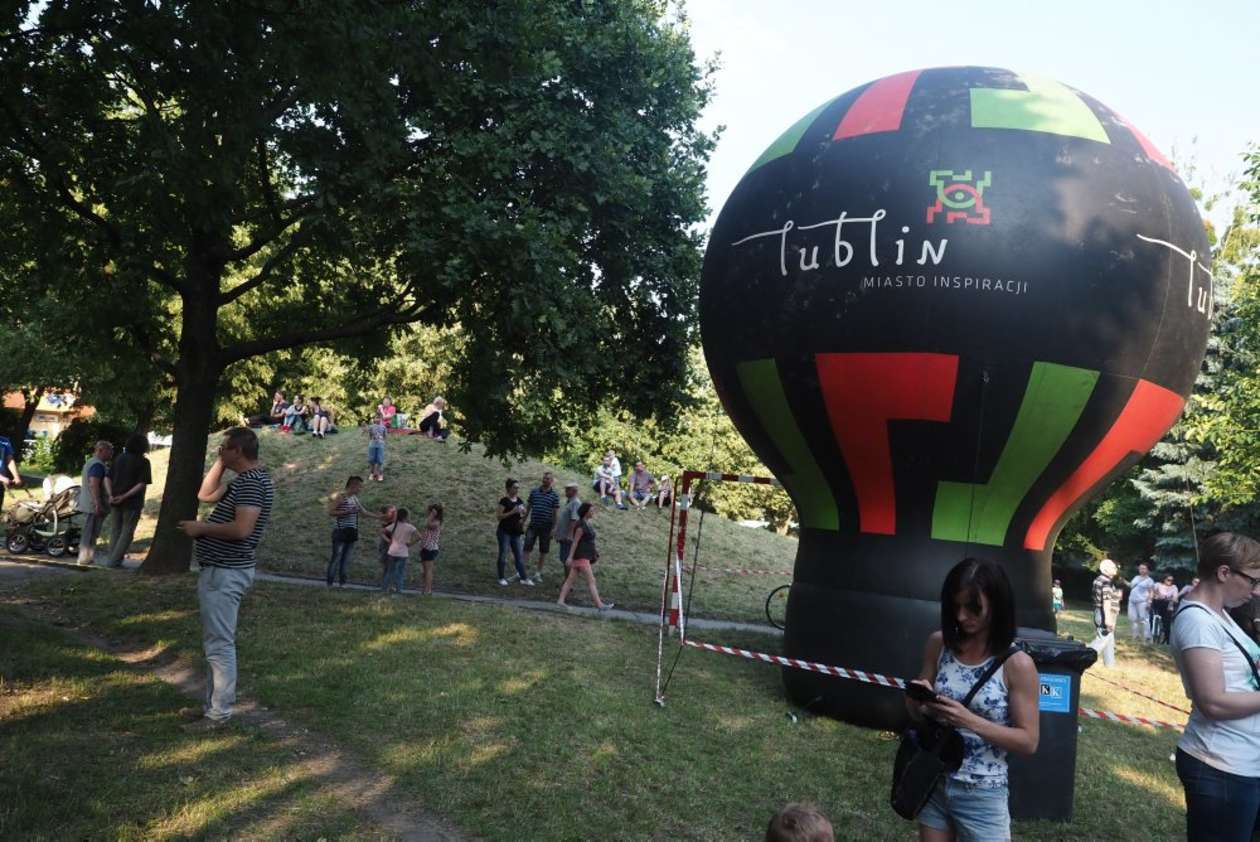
(959, 196)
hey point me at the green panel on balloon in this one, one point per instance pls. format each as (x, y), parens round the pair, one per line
(788, 140)
(1046, 106)
(1055, 397)
(813, 498)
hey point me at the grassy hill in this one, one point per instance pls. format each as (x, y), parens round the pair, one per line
(419, 471)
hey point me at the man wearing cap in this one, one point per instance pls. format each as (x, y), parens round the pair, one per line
(565, 520)
(1106, 610)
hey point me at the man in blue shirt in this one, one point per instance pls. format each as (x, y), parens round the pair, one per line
(8, 468)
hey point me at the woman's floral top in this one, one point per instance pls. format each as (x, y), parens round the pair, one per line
(984, 764)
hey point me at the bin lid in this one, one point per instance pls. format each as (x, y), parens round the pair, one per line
(1049, 650)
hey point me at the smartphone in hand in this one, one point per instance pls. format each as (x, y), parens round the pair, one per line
(920, 693)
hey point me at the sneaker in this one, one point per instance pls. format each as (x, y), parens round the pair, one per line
(205, 723)
(538, 578)
(529, 583)
(607, 605)
(621, 506)
(503, 583)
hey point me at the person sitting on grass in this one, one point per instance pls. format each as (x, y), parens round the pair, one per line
(321, 418)
(664, 492)
(641, 483)
(402, 536)
(432, 422)
(583, 554)
(387, 411)
(278, 407)
(295, 416)
(429, 544)
(799, 823)
(376, 432)
(606, 485)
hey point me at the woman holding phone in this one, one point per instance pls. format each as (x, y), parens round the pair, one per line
(977, 626)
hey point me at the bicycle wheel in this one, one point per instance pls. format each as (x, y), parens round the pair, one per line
(776, 606)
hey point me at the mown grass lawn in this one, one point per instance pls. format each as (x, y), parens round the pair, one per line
(91, 748)
(525, 726)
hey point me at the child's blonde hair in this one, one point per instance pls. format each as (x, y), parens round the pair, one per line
(799, 823)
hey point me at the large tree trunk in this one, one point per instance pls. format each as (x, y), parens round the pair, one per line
(30, 403)
(196, 381)
(144, 417)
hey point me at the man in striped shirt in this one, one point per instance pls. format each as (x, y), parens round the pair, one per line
(225, 547)
(540, 514)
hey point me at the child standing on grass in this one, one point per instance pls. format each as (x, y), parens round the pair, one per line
(1056, 594)
(429, 544)
(388, 515)
(376, 448)
(402, 536)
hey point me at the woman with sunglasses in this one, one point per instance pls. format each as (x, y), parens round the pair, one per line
(1218, 756)
(977, 627)
(1162, 607)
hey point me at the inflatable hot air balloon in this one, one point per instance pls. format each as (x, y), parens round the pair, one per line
(946, 308)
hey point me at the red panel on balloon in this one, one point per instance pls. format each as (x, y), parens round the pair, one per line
(1151, 150)
(1151, 410)
(879, 108)
(863, 392)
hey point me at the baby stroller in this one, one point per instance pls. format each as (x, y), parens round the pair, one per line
(51, 525)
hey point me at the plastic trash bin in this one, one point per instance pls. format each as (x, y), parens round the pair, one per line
(1042, 784)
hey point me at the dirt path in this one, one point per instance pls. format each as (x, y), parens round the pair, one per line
(341, 776)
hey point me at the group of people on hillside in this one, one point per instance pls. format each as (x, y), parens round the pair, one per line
(395, 540)
(111, 492)
(536, 521)
(641, 487)
(300, 415)
(314, 415)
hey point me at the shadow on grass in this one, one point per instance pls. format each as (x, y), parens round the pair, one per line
(523, 725)
(94, 749)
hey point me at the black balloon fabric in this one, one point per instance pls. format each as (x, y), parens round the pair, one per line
(946, 308)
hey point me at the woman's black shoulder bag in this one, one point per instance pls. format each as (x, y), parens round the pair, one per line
(929, 751)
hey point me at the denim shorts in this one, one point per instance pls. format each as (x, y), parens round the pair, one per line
(376, 453)
(976, 813)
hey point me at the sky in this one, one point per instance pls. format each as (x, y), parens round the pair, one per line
(1186, 74)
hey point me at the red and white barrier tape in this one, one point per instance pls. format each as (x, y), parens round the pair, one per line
(892, 681)
(810, 666)
(738, 572)
(1126, 688)
(1128, 720)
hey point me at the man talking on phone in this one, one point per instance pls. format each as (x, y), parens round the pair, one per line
(226, 543)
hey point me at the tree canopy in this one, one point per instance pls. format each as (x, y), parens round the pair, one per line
(217, 181)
